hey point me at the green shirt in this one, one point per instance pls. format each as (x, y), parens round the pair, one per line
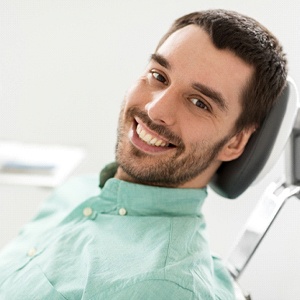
(131, 242)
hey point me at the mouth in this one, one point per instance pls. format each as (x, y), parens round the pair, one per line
(150, 138)
(147, 140)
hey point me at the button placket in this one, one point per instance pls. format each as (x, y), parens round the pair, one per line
(122, 211)
(32, 252)
(88, 212)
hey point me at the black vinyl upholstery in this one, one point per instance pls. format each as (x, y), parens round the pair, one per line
(234, 177)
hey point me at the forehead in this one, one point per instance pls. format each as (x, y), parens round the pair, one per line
(193, 57)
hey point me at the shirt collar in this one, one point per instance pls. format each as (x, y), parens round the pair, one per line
(140, 199)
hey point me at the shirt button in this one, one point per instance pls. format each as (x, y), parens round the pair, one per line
(122, 211)
(32, 252)
(87, 212)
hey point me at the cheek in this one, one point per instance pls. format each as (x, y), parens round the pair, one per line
(199, 133)
(137, 94)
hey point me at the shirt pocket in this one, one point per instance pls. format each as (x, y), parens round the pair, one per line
(29, 284)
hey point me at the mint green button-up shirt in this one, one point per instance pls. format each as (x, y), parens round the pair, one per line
(130, 242)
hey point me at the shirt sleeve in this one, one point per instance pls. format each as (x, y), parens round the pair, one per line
(70, 194)
(61, 202)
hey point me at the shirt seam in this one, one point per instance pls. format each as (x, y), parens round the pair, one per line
(168, 247)
(38, 266)
(148, 280)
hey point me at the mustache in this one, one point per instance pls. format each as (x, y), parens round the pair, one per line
(159, 129)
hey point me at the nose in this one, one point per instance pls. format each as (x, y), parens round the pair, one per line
(162, 107)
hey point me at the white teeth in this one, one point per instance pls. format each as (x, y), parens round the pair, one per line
(158, 143)
(153, 141)
(148, 138)
(142, 134)
(138, 129)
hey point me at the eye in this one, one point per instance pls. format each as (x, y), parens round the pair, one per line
(199, 103)
(159, 77)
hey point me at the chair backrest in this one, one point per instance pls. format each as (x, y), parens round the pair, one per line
(263, 149)
(282, 125)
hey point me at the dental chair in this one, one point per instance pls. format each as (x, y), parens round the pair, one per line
(279, 132)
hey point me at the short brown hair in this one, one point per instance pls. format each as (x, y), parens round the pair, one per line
(253, 43)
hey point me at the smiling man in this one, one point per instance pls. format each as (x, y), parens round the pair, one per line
(178, 120)
(208, 86)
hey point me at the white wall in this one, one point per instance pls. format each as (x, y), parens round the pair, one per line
(64, 68)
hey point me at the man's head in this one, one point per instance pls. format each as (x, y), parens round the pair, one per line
(189, 111)
(254, 44)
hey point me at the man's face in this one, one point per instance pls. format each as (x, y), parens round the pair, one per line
(176, 125)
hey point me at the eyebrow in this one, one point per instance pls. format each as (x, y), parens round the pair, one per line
(207, 91)
(212, 94)
(160, 60)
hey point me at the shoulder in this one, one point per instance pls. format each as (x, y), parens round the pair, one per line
(67, 196)
(79, 187)
(74, 191)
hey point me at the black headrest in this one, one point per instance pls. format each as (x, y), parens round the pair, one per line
(263, 148)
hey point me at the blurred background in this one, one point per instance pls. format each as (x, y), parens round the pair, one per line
(65, 66)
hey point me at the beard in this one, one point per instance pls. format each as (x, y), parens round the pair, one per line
(171, 169)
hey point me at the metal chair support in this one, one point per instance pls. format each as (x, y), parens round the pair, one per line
(266, 210)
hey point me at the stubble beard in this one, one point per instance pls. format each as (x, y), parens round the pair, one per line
(169, 170)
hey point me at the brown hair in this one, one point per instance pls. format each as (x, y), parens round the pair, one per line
(253, 43)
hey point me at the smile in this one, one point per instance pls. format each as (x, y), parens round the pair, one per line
(149, 138)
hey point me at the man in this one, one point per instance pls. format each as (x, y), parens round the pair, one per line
(208, 86)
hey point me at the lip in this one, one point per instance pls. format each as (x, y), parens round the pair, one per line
(143, 146)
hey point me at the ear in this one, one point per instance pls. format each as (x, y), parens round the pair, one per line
(236, 145)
